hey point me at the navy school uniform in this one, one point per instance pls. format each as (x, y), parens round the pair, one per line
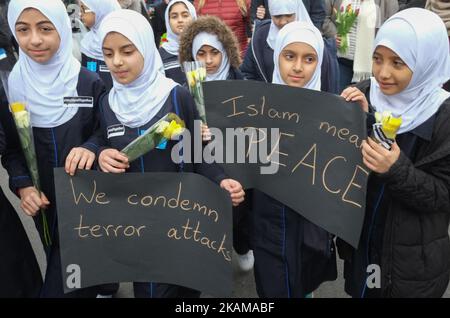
(242, 212)
(181, 103)
(235, 74)
(172, 67)
(258, 61)
(52, 147)
(20, 275)
(292, 255)
(99, 67)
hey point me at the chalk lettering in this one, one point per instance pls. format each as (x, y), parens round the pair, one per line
(98, 196)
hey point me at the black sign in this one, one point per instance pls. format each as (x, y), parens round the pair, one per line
(144, 227)
(316, 149)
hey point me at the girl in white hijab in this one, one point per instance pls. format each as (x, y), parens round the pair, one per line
(283, 12)
(61, 98)
(258, 63)
(424, 94)
(45, 84)
(142, 95)
(99, 9)
(179, 13)
(92, 14)
(173, 36)
(411, 181)
(137, 102)
(298, 55)
(301, 33)
(211, 41)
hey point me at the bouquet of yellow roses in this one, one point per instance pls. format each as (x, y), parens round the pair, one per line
(167, 128)
(195, 75)
(25, 132)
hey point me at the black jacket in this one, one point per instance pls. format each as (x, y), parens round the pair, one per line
(99, 67)
(20, 275)
(52, 145)
(7, 41)
(406, 4)
(172, 66)
(235, 74)
(414, 254)
(159, 22)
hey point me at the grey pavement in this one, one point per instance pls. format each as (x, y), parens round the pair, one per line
(244, 284)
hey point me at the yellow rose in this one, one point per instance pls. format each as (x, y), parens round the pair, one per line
(191, 79)
(172, 130)
(162, 127)
(202, 71)
(17, 107)
(22, 119)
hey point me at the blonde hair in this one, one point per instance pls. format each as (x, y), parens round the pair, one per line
(242, 4)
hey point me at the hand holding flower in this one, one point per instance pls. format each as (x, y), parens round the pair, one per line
(377, 158)
(113, 161)
(237, 194)
(31, 202)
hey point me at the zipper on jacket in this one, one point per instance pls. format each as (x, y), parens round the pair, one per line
(372, 222)
(388, 288)
(389, 285)
(422, 238)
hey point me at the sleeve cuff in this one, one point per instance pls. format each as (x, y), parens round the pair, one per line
(402, 162)
(219, 178)
(91, 147)
(18, 182)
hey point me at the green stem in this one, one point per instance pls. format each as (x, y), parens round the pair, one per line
(47, 237)
(343, 47)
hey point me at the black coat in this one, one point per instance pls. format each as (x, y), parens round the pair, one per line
(159, 22)
(172, 67)
(7, 41)
(414, 254)
(406, 4)
(235, 74)
(100, 68)
(20, 275)
(54, 144)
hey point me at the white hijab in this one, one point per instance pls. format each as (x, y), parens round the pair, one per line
(303, 32)
(91, 45)
(279, 7)
(419, 38)
(204, 38)
(44, 86)
(135, 104)
(173, 41)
